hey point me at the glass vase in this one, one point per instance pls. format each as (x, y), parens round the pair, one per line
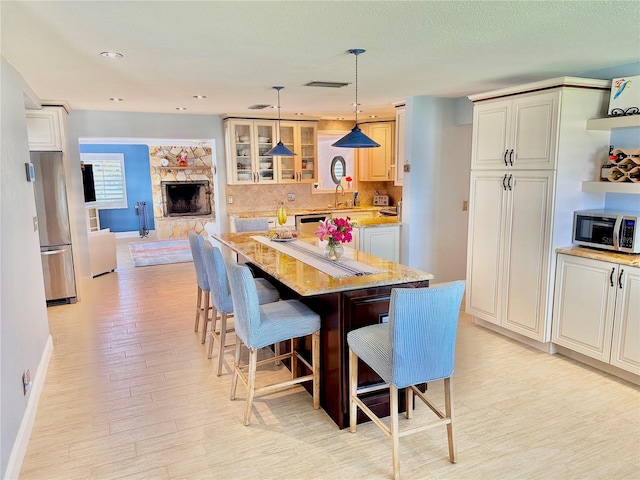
(333, 250)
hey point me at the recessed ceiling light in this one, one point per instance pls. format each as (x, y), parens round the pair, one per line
(373, 116)
(115, 99)
(299, 114)
(340, 118)
(181, 108)
(111, 54)
(199, 97)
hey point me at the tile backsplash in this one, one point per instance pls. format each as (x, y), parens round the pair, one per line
(259, 198)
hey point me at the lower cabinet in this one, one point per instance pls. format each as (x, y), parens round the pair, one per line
(382, 241)
(597, 310)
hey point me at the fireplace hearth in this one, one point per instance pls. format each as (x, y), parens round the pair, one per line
(182, 198)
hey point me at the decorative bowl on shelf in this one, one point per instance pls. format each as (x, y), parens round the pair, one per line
(244, 176)
(264, 140)
(266, 165)
(244, 138)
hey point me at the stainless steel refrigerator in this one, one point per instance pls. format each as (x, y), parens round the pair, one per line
(53, 226)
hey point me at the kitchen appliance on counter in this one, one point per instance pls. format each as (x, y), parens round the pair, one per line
(380, 200)
(54, 228)
(608, 230)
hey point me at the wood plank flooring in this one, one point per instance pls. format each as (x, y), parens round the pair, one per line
(130, 394)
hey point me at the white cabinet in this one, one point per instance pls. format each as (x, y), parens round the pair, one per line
(44, 129)
(508, 248)
(299, 137)
(530, 154)
(246, 143)
(519, 132)
(381, 240)
(399, 157)
(375, 163)
(597, 310)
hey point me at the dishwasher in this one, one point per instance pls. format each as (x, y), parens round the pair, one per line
(308, 224)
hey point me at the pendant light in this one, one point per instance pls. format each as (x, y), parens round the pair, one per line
(279, 150)
(355, 138)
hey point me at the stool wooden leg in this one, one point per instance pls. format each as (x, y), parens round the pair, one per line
(409, 397)
(212, 339)
(251, 384)
(198, 303)
(294, 359)
(236, 366)
(223, 339)
(205, 320)
(353, 390)
(395, 439)
(448, 405)
(315, 354)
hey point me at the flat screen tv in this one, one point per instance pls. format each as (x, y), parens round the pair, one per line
(87, 183)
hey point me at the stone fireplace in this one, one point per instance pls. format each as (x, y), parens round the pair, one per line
(182, 194)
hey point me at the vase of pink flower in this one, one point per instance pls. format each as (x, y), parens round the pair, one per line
(336, 231)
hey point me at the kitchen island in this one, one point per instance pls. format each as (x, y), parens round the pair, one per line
(344, 304)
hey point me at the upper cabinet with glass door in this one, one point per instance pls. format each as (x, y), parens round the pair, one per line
(299, 137)
(246, 143)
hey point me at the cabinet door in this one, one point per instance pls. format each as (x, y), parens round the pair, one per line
(44, 129)
(625, 348)
(534, 131)
(263, 139)
(375, 163)
(240, 168)
(287, 168)
(491, 130)
(526, 272)
(584, 305)
(487, 200)
(308, 153)
(399, 160)
(383, 242)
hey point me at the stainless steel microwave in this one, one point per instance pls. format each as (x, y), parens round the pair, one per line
(609, 230)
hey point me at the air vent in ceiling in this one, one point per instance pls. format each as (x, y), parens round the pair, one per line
(326, 84)
(259, 106)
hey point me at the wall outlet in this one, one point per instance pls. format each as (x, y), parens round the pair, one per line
(407, 167)
(230, 199)
(291, 197)
(465, 205)
(26, 381)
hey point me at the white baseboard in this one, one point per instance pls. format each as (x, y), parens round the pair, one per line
(24, 432)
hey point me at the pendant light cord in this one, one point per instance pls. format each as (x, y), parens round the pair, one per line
(278, 90)
(356, 89)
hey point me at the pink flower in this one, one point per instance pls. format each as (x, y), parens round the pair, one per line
(335, 230)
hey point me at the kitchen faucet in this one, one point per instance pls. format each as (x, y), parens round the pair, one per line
(336, 201)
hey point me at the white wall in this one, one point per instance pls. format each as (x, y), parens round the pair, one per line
(434, 231)
(24, 329)
(93, 124)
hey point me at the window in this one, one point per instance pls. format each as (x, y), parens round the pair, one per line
(108, 179)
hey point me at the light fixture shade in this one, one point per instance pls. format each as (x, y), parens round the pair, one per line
(355, 139)
(279, 151)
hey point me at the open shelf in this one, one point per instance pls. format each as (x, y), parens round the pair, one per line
(611, 187)
(608, 123)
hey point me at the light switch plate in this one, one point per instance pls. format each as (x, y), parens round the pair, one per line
(230, 199)
(407, 167)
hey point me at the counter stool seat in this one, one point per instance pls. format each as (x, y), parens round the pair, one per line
(258, 326)
(203, 306)
(222, 301)
(416, 346)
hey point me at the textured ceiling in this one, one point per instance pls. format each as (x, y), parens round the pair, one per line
(234, 52)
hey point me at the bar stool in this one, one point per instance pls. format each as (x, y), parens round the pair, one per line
(251, 224)
(260, 325)
(416, 346)
(221, 298)
(195, 242)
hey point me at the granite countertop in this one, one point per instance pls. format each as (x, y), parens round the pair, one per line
(376, 222)
(307, 280)
(603, 255)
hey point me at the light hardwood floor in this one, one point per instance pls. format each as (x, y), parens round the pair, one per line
(130, 394)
